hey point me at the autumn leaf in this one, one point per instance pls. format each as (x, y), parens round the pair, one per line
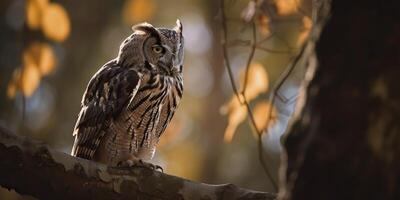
(30, 79)
(264, 24)
(55, 22)
(11, 90)
(38, 60)
(135, 11)
(236, 114)
(25, 79)
(307, 24)
(287, 7)
(13, 85)
(262, 116)
(34, 11)
(257, 81)
(42, 56)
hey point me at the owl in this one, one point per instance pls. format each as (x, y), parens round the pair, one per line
(129, 101)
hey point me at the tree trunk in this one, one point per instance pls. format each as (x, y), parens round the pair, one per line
(345, 143)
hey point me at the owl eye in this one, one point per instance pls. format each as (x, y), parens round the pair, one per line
(158, 49)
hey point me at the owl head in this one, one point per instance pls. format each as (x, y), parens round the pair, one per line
(161, 49)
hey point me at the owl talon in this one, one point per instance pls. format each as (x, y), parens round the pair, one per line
(139, 163)
(158, 167)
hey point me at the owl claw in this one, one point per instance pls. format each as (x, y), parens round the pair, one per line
(139, 163)
(158, 167)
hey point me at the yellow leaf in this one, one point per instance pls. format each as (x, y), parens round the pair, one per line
(34, 10)
(262, 115)
(264, 25)
(41, 55)
(257, 81)
(135, 11)
(47, 60)
(13, 85)
(236, 114)
(55, 22)
(307, 24)
(11, 90)
(287, 7)
(30, 79)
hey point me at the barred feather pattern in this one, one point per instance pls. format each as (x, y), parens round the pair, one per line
(124, 112)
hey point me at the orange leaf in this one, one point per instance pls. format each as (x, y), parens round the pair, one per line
(47, 60)
(11, 90)
(307, 24)
(135, 11)
(264, 24)
(262, 116)
(13, 85)
(30, 79)
(41, 55)
(236, 114)
(257, 81)
(55, 22)
(287, 7)
(34, 11)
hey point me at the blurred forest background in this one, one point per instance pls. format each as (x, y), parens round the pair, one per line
(50, 49)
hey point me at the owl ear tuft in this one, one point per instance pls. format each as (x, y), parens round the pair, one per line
(146, 28)
(178, 28)
(142, 27)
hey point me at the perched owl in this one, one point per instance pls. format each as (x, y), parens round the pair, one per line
(129, 102)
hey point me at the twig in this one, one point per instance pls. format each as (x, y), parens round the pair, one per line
(288, 71)
(22, 34)
(246, 43)
(225, 51)
(243, 100)
(251, 56)
(273, 51)
(281, 81)
(254, 45)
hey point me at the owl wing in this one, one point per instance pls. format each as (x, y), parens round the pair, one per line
(107, 94)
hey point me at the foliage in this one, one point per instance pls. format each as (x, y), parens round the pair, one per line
(38, 58)
(236, 111)
(256, 82)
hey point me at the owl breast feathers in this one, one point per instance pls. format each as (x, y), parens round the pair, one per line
(129, 102)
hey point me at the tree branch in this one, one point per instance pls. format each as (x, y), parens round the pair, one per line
(31, 168)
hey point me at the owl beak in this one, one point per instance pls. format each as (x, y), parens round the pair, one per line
(178, 28)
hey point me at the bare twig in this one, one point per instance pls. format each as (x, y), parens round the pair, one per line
(225, 51)
(256, 45)
(268, 50)
(251, 56)
(243, 100)
(290, 69)
(247, 43)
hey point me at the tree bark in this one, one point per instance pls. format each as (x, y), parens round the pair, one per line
(345, 143)
(31, 168)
